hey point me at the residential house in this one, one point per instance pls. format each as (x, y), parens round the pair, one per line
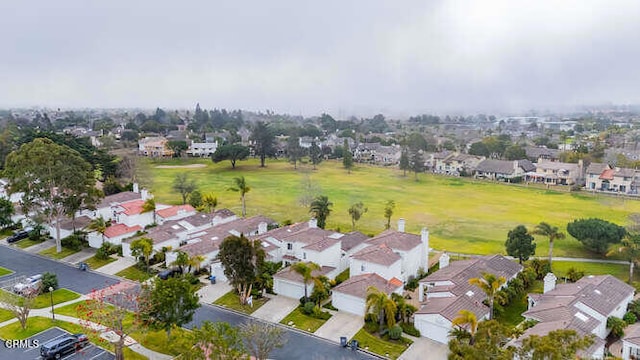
(379, 259)
(106, 207)
(132, 213)
(602, 177)
(454, 163)
(556, 173)
(351, 243)
(154, 147)
(289, 283)
(447, 291)
(68, 226)
(503, 169)
(174, 213)
(113, 234)
(537, 153)
(350, 296)
(583, 306)
(205, 149)
(631, 343)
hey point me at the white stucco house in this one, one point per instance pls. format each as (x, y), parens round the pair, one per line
(176, 212)
(631, 343)
(289, 283)
(583, 306)
(447, 291)
(205, 149)
(351, 295)
(378, 259)
(113, 234)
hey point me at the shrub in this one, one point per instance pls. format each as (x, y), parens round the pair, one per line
(409, 329)
(119, 250)
(371, 327)
(412, 283)
(395, 332)
(158, 257)
(541, 268)
(319, 314)
(330, 306)
(634, 307)
(342, 277)
(308, 308)
(630, 318)
(49, 280)
(574, 274)
(105, 250)
(75, 241)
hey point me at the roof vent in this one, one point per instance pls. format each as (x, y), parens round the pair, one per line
(597, 292)
(469, 293)
(581, 316)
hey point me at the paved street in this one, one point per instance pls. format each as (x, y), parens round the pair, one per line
(21, 353)
(69, 277)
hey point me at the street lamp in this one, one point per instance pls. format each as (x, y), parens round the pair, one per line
(53, 314)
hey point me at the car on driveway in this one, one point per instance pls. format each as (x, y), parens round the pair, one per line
(168, 273)
(17, 236)
(63, 345)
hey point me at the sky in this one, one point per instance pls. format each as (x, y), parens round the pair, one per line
(304, 58)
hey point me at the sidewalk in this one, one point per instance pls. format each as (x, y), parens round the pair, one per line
(116, 266)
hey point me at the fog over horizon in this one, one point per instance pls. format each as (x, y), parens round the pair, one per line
(345, 58)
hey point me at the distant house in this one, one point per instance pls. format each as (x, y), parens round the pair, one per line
(350, 296)
(174, 213)
(205, 149)
(583, 306)
(154, 147)
(447, 291)
(556, 173)
(503, 169)
(602, 177)
(537, 153)
(454, 164)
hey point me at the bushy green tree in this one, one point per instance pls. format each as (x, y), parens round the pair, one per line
(231, 152)
(170, 303)
(520, 244)
(242, 260)
(596, 234)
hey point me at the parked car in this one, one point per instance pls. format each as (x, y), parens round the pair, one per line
(29, 285)
(17, 236)
(61, 346)
(165, 274)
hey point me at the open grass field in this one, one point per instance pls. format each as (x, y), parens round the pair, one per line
(463, 215)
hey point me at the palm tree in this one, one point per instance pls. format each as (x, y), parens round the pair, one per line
(630, 251)
(405, 310)
(210, 202)
(98, 225)
(381, 307)
(490, 284)
(182, 260)
(243, 189)
(467, 322)
(306, 271)
(150, 205)
(552, 233)
(194, 262)
(320, 208)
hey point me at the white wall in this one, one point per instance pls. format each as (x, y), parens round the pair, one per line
(143, 219)
(387, 272)
(433, 326)
(348, 303)
(289, 288)
(328, 257)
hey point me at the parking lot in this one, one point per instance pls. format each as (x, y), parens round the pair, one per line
(23, 353)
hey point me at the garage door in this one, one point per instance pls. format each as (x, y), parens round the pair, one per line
(285, 288)
(347, 303)
(432, 331)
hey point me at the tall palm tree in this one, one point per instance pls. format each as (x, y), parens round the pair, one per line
(321, 208)
(489, 284)
(241, 187)
(404, 309)
(210, 202)
(630, 251)
(98, 225)
(381, 307)
(150, 206)
(552, 233)
(306, 271)
(194, 262)
(468, 322)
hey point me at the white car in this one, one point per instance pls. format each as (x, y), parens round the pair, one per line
(30, 284)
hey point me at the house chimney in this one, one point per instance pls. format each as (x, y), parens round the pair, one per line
(262, 228)
(136, 188)
(424, 238)
(444, 260)
(401, 225)
(313, 223)
(144, 194)
(549, 282)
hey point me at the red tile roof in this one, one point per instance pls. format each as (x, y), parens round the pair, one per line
(132, 207)
(120, 229)
(607, 174)
(174, 210)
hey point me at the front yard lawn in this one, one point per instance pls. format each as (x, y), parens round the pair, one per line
(35, 325)
(25, 243)
(388, 348)
(59, 296)
(232, 301)
(4, 271)
(95, 263)
(302, 321)
(51, 252)
(134, 273)
(5, 315)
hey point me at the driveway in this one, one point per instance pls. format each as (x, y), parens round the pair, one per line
(26, 264)
(340, 324)
(423, 346)
(276, 308)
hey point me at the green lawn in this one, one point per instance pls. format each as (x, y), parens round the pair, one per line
(232, 301)
(302, 321)
(134, 273)
(35, 325)
(461, 213)
(5, 315)
(25, 243)
(4, 271)
(95, 263)
(51, 252)
(59, 296)
(389, 349)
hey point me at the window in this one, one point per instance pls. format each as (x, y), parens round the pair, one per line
(304, 256)
(362, 267)
(289, 246)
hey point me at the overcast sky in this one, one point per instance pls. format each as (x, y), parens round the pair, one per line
(302, 57)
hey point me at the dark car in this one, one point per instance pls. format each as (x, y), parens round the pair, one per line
(165, 274)
(63, 345)
(17, 236)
